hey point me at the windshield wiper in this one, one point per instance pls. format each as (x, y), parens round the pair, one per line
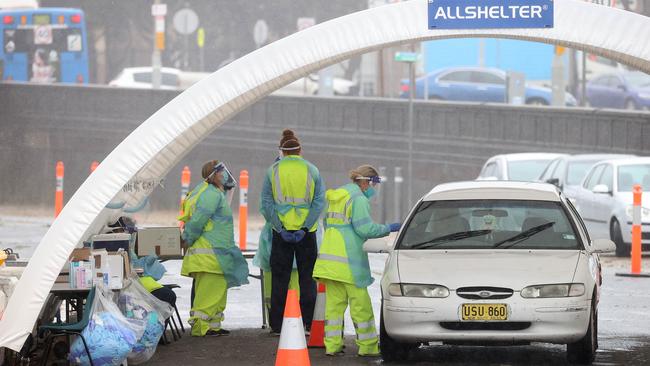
(524, 235)
(450, 237)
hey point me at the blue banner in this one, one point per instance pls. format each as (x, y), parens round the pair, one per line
(478, 14)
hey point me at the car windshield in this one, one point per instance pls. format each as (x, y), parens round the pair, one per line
(577, 170)
(629, 175)
(526, 170)
(489, 224)
(638, 79)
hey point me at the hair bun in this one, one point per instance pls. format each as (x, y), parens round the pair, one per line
(287, 133)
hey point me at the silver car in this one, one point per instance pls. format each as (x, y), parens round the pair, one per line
(604, 199)
(525, 167)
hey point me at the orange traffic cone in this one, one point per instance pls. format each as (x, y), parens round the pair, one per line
(316, 338)
(292, 350)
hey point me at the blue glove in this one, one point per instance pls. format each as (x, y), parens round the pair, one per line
(299, 235)
(287, 236)
(394, 227)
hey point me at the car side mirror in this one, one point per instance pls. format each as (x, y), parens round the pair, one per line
(601, 189)
(602, 246)
(554, 181)
(381, 245)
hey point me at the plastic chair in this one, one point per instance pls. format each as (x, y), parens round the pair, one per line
(180, 321)
(58, 329)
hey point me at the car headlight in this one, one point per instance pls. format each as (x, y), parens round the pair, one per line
(559, 290)
(645, 213)
(416, 290)
(644, 95)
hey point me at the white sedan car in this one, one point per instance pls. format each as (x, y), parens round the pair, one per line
(491, 263)
(525, 167)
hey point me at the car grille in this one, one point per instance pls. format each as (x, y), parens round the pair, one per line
(484, 293)
(505, 326)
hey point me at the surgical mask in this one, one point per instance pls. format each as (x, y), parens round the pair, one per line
(226, 178)
(370, 192)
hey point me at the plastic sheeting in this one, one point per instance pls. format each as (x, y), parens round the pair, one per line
(137, 165)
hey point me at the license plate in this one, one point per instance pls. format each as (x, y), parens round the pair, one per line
(484, 312)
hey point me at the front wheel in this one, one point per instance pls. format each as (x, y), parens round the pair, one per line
(584, 351)
(390, 349)
(622, 248)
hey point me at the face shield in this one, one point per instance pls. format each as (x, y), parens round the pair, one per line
(374, 183)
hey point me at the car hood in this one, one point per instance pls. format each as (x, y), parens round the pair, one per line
(513, 269)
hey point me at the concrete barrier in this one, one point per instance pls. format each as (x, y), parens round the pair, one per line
(40, 124)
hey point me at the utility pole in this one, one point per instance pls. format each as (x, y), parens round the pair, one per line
(158, 10)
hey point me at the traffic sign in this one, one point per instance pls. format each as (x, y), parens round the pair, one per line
(200, 37)
(406, 57)
(304, 23)
(472, 14)
(43, 34)
(260, 32)
(186, 21)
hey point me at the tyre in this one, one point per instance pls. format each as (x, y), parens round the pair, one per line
(622, 248)
(630, 105)
(536, 101)
(390, 349)
(584, 351)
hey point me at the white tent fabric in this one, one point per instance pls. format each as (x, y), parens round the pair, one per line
(130, 172)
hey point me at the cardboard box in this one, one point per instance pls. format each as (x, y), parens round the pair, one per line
(99, 264)
(111, 242)
(79, 254)
(159, 241)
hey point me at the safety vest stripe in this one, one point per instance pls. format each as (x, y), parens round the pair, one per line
(279, 197)
(332, 257)
(334, 333)
(365, 325)
(341, 215)
(292, 336)
(364, 336)
(333, 322)
(199, 314)
(336, 215)
(193, 251)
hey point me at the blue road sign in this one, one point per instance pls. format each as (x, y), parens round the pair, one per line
(477, 14)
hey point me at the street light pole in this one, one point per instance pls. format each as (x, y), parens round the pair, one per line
(410, 122)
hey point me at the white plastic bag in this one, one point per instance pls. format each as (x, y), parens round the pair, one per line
(110, 336)
(137, 303)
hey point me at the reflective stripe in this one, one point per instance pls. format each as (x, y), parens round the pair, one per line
(332, 257)
(365, 325)
(333, 322)
(216, 325)
(199, 314)
(334, 333)
(336, 215)
(341, 215)
(193, 251)
(362, 222)
(293, 335)
(280, 198)
(364, 336)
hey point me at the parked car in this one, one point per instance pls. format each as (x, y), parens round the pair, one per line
(491, 263)
(567, 172)
(309, 86)
(521, 167)
(629, 90)
(475, 84)
(141, 77)
(604, 199)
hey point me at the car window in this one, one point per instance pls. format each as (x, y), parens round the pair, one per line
(629, 175)
(595, 176)
(577, 170)
(493, 221)
(559, 170)
(169, 79)
(602, 81)
(526, 170)
(457, 76)
(548, 172)
(486, 78)
(614, 81)
(638, 79)
(581, 225)
(142, 77)
(490, 170)
(607, 178)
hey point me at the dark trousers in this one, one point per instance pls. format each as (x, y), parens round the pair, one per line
(282, 254)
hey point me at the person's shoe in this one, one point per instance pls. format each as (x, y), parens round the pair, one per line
(217, 333)
(335, 354)
(307, 331)
(274, 333)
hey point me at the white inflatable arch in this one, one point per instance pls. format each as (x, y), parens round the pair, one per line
(148, 153)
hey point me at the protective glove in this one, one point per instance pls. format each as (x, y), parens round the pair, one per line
(299, 235)
(287, 236)
(394, 227)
